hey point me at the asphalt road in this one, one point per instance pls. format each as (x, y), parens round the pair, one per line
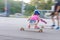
(10, 30)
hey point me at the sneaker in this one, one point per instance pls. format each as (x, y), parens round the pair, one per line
(57, 28)
(53, 25)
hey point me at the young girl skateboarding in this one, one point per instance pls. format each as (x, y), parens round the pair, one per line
(34, 19)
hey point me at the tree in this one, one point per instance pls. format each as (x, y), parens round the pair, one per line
(1, 6)
(15, 7)
(41, 4)
(29, 9)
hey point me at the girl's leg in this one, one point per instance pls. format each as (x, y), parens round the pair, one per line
(29, 26)
(53, 22)
(58, 8)
(57, 21)
(36, 26)
(53, 25)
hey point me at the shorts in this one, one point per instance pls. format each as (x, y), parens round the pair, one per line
(56, 5)
(56, 9)
(33, 22)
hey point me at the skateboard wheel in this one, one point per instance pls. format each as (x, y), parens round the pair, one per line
(42, 27)
(40, 30)
(22, 29)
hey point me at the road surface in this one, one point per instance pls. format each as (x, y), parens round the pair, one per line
(10, 30)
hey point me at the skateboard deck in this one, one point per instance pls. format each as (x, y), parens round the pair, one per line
(31, 29)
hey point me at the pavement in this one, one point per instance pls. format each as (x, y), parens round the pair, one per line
(10, 30)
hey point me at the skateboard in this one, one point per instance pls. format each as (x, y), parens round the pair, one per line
(31, 29)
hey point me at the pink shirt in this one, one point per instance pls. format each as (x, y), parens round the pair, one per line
(34, 17)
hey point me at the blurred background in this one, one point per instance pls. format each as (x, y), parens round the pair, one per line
(25, 8)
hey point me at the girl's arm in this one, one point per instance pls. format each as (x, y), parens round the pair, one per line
(43, 21)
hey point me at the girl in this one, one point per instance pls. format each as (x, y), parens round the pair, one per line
(34, 19)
